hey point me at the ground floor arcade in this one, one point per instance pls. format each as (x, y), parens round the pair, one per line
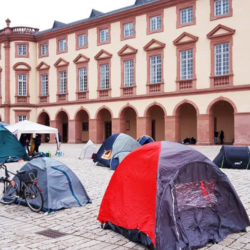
(163, 118)
(186, 121)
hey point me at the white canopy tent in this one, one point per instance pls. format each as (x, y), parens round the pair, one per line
(28, 127)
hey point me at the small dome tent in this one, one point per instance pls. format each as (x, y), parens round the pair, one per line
(145, 139)
(60, 186)
(88, 150)
(233, 157)
(114, 149)
(169, 196)
(10, 146)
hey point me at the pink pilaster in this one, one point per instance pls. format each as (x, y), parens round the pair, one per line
(116, 125)
(204, 129)
(241, 129)
(171, 128)
(141, 126)
(71, 131)
(93, 130)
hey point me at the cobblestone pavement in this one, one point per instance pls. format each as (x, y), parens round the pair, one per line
(19, 226)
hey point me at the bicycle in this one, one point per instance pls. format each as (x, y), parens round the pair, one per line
(23, 187)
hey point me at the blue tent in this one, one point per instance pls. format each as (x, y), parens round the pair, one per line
(114, 149)
(145, 139)
(10, 146)
(3, 124)
(61, 188)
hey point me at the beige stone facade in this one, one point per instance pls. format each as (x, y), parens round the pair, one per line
(170, 69)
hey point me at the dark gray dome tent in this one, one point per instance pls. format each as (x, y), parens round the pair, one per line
(233, 157)
(61, 188)
(169, 196)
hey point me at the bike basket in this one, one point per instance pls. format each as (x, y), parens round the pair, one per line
(27, 176)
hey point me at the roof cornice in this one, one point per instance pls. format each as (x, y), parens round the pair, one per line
(108, 18)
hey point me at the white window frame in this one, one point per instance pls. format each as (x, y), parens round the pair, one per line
(186, 64)
(82, 79)
(62, 45)
(221, 7)
(155, 69)
(104, 35)
(222, 59)
(44, 49)
(21, 118)
(128, 66)
(44, 84)
(186, 15)
(155, 23)
(22, 49)
(104, 76)
(82, 40)
(128, 29)
(63, 82)
(22, 85)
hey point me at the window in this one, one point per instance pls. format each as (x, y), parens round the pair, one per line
(155, 69)
(128, 29)
(104, 76)
(155, 23)
(128, 73)
(82, 40)
(221, 58)
(22, 85)
(82, 79)
(62, 45)
(63, 82)
(221, 7)
(22, 49)
(104, 35)
(44, 49)
(44, 85)
(186, 15)
(21, 118)
(186, 61)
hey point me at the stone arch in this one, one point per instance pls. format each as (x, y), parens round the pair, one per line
(104, 124)
(128, 121)
(221, 112)
(186, 120)
(82, 125)
(43, 118)
(155, 115)
(175, 112)
(62, 123)
(221, 98)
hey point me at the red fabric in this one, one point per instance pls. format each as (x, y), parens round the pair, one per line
(130, 197)
(204, 191)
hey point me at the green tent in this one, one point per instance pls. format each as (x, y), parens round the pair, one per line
(10, 146)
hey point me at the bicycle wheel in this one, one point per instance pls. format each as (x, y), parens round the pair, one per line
(9, 193)
(33, 197)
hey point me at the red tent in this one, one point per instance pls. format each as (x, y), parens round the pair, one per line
(170, 196)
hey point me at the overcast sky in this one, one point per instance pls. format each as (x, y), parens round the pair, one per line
(42, 13)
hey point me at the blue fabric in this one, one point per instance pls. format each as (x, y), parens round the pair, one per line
(107, 145)
(10, 146)
(70, 184)
(145, 139)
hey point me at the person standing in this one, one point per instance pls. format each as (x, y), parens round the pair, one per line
(222, 137)
(37, 142)
(216, 135)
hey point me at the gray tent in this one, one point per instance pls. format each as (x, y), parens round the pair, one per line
(169, 196)
(60, 186)
(114, 149)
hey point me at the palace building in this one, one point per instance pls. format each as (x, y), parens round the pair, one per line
(170, 69)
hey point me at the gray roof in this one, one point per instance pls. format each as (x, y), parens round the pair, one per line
(94, 15)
